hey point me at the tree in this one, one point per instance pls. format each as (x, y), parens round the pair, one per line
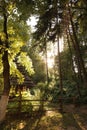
(78, 51)
(49, 27)
(9, 14)
(6, 67)
(65, 16)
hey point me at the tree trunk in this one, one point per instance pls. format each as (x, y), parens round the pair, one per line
(3, 106)
(77, 59)
(6, 73)
(60, 77)
(73, 68)
(47, 74)
(77, 49)
(5, 94)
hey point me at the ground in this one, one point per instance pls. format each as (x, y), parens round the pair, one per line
(73, 118)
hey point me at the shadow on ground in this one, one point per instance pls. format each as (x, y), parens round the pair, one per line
(46, 120)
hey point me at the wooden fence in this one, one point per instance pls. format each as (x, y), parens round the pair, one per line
(21, 105)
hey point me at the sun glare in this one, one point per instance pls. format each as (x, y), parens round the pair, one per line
(53, 47)
(50, 63)
(50, 60)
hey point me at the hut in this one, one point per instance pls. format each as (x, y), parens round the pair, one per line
(27, 84)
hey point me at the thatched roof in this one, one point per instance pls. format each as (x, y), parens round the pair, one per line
(27, 80)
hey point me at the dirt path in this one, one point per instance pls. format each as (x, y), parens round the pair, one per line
(72, 119)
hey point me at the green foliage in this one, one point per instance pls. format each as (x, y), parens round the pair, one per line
(83, 99)
(27, 106)
(24, 59)
(66, 65)
(70, 88)
(25, 8)
(43, 90)
(38, 64)
(18, 37)
(69, 91)
(48, 26)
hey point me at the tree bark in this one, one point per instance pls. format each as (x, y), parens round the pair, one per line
(60, 77)
(6, 73)
(73, 68)
(47, 74)
(3, 106)
(77, 49)
(77, 59)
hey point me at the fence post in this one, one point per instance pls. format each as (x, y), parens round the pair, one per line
(20, 98)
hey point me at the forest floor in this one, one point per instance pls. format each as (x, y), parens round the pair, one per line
(73, 118)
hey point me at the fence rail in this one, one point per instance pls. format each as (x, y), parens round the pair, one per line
(21, 105)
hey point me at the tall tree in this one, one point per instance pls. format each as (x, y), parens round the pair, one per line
(10, 12)
(6, 66)
(76, 44)
(49, 26)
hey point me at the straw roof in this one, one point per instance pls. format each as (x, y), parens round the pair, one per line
(27, 80)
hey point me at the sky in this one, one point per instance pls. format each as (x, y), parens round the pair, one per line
(32, 22)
